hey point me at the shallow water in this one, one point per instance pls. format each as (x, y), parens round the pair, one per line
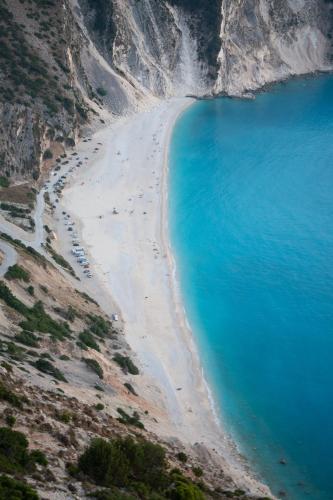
(251, 207)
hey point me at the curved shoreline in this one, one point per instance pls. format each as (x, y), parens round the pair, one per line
(174, 280)
(121, 246)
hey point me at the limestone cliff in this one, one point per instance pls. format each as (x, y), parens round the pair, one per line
(267, 40)
(64, 64)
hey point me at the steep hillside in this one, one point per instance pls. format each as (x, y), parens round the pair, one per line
(67, 376)
(40, 99)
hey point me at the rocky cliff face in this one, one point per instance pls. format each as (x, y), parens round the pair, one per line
(149, 43)
(268, 40)
(66, 63)
(42, 91)
(174, 47)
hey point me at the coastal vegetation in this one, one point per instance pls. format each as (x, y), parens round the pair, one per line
(17, 272)
(94, 366)
(87, 339)
(98, 325)
(14, 453)
(16, 490)
(27, 338)
(59, 259)
(45, 366)
(130, 388)
(36, 319)
(17, 212)
(10, 397)
(139, 466)
(40, 259)
(127, 419)
(126, 364)
(41, 345)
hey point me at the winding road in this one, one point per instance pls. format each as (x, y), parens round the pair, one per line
(35, 241)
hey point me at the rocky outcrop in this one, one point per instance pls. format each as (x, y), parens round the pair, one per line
(267, 40)
(149, 43)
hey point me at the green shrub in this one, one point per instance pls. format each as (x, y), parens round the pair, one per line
(239, 493)
(182, 457)
(82, 346)
(94, 366)
(32, 353)
(59, 259)
(27, 338)
(182, 490)
(130, 388)
(11, 301)
(87, 339)
(14, 210)
(98, 325)
(36, 317)
(12, 489)
(31, 290)
(46, 355)
(99, 407)
(47, 155)
(4, 182)
(130, 420)
(10, 396)
(64, 357)
(7, 366)
(197, 471)
(98, 388)
(14, 455)
(86, 297)
(64, 417)
(17, 272)
(39, 457)
(15, 352)
(121, 461)
(126, 364)
(116, 494)
(10, 420)
(43, 365)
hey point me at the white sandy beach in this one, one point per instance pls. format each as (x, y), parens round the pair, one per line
(130, 256)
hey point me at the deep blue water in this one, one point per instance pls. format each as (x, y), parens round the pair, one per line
(251, 222)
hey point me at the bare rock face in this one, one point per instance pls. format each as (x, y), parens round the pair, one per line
(20, 137)
(177, 47)
(267, 40)
(149, 43)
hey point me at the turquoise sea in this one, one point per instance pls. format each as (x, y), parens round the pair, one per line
(251, 223)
